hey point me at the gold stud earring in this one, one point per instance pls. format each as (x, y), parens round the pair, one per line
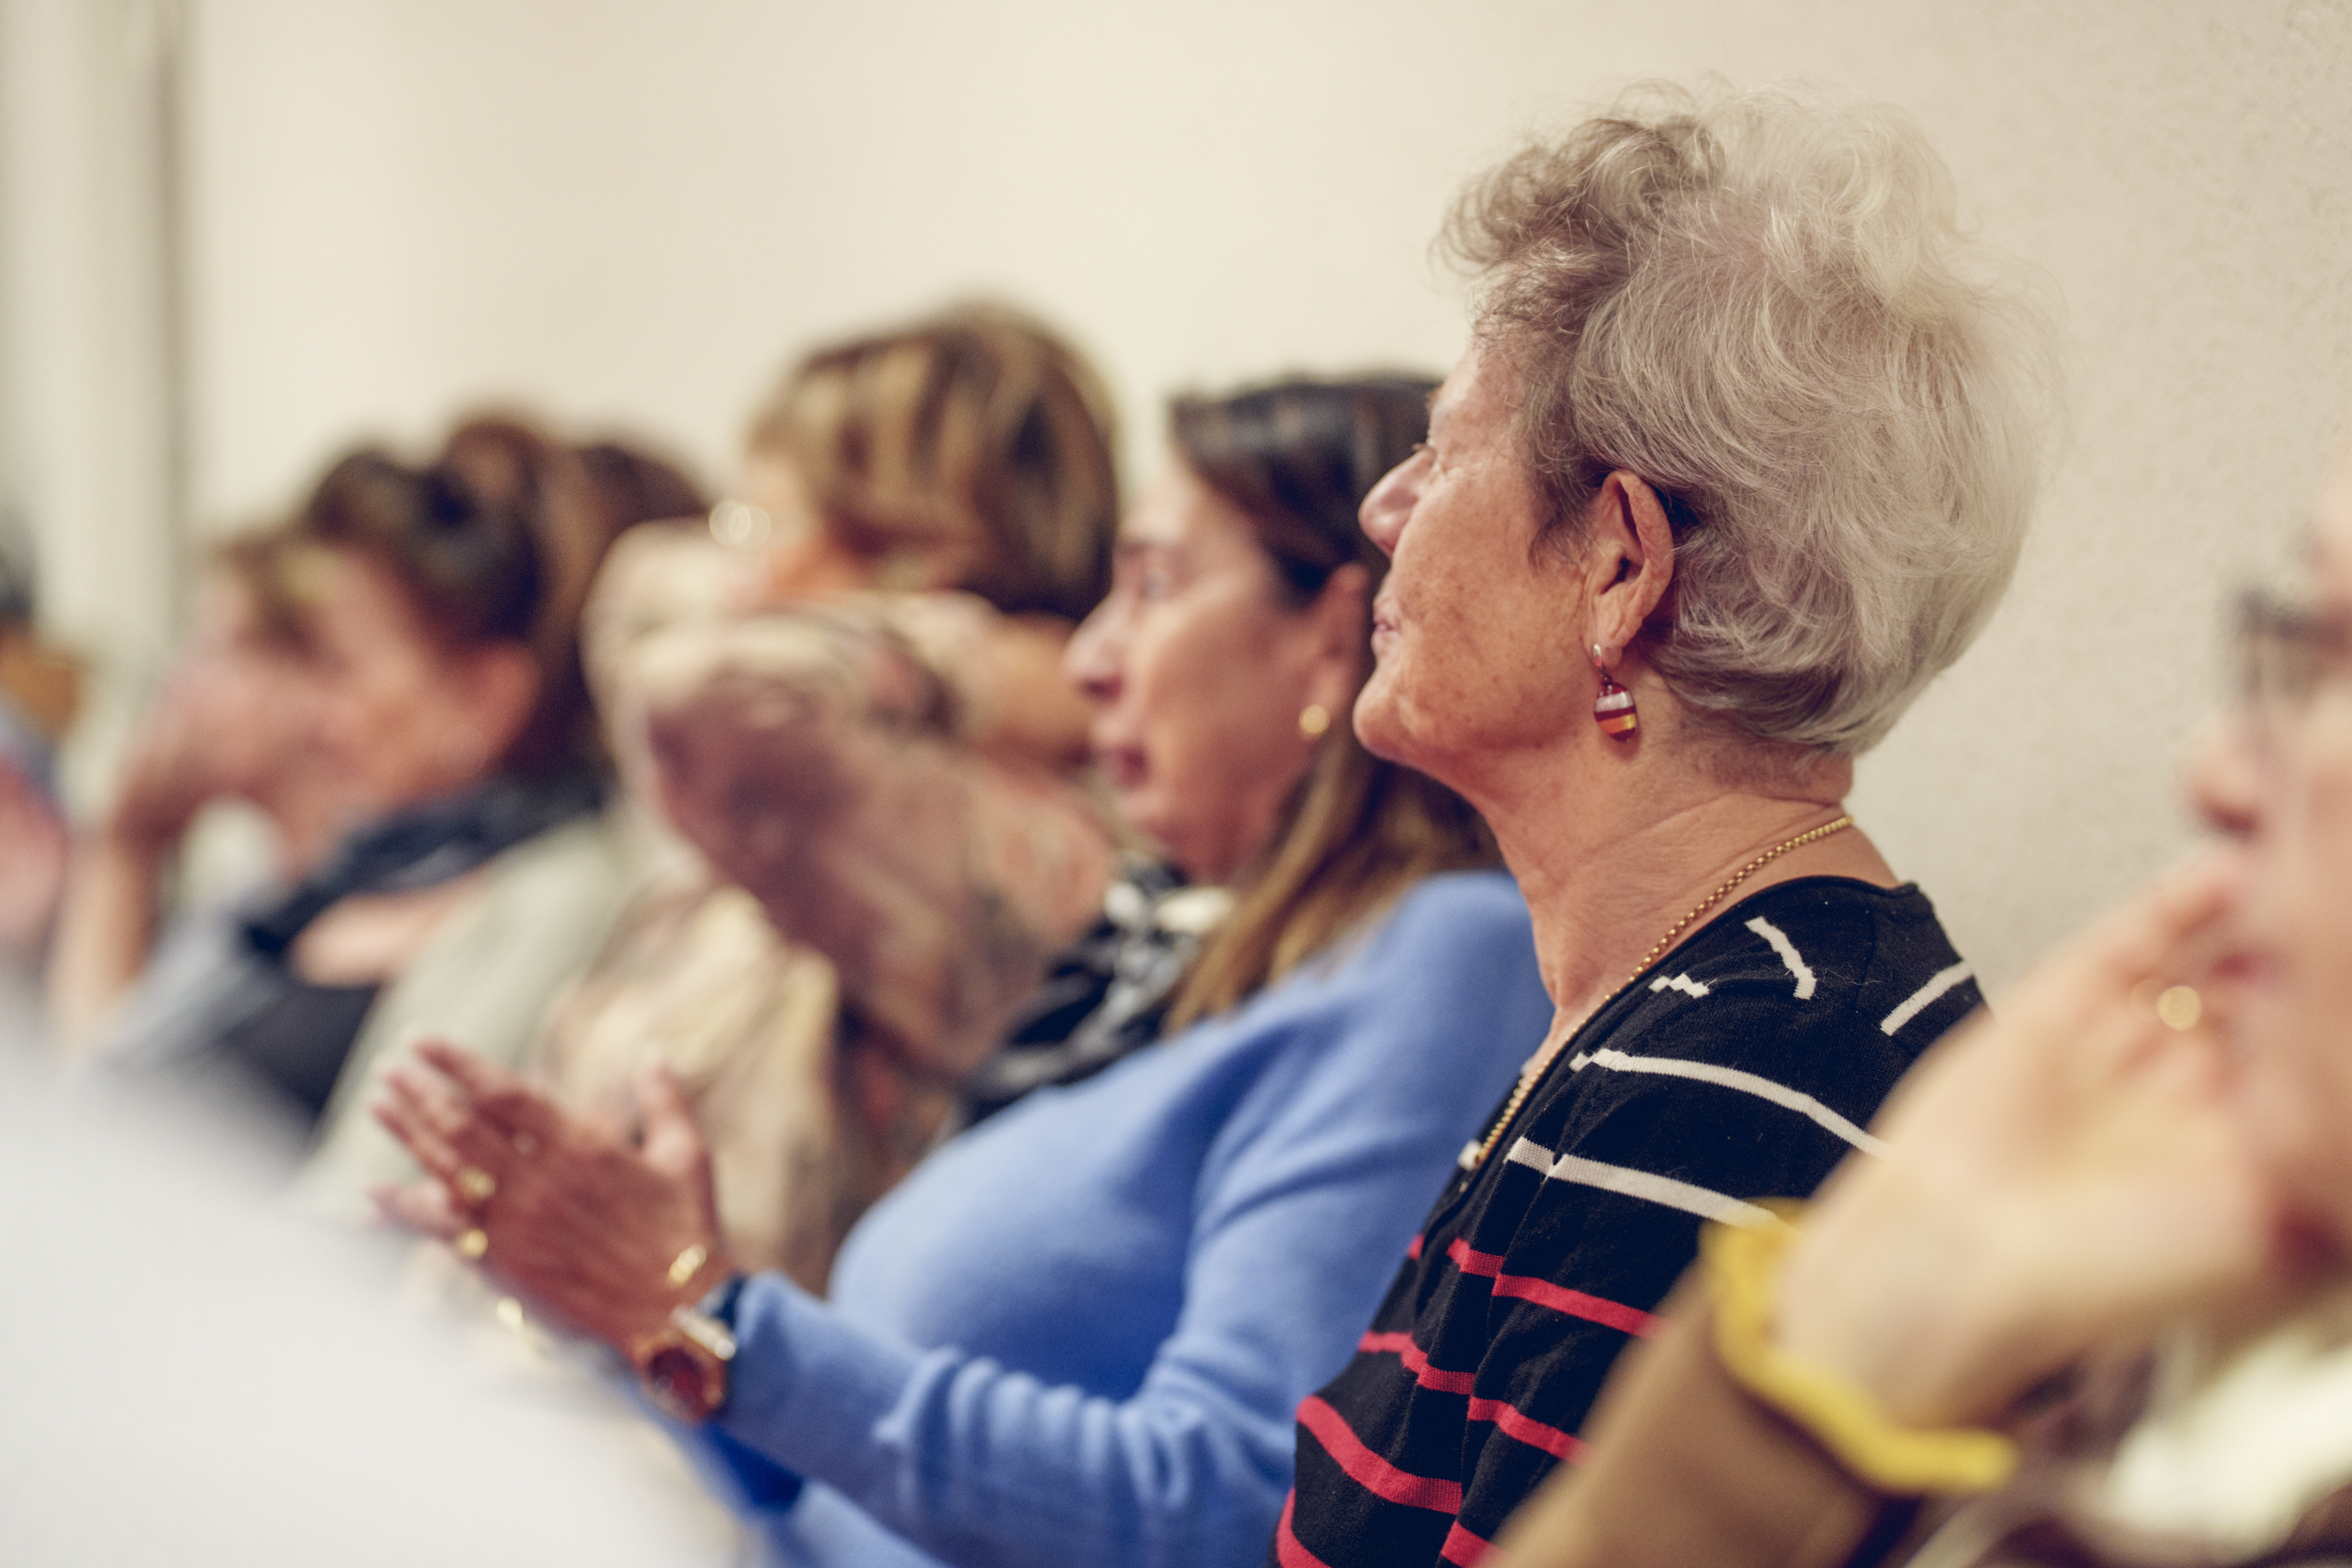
(1313, 721)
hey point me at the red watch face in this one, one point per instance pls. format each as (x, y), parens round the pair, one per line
(689, 1386)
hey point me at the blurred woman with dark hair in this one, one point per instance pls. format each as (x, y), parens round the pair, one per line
(1075, 1333)
(40, 689)
(440, 726)
(236, 722)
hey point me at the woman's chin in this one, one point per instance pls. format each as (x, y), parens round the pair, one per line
(1140, 809)
(1384, 726)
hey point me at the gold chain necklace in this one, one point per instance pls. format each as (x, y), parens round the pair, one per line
(1529, 1079)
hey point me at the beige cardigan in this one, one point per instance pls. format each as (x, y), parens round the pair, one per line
(1688, 1470)
(537, 915)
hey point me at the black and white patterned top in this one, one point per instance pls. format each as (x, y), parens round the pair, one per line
(1104, 995)
(1743, 1067)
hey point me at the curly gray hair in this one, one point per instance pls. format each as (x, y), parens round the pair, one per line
(1761, 303)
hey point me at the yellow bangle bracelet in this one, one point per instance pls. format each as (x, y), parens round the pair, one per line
(1743, 1268)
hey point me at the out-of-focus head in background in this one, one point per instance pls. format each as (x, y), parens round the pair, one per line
(2278, 780)
(441, 602)
(972, 450)
(39, 692)
(239, 717)
(405, 638)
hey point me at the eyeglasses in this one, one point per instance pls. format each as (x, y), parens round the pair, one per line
(2286, 651)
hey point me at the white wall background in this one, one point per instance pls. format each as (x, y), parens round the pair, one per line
(84, 343)
(633, 213)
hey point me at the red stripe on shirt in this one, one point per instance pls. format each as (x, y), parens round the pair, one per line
(1514, 1422)
(1461, 1547)
(1370, 1470)
(1288, 1549)
(1412, 1248)
(1416, 1361)
(1544, 1293)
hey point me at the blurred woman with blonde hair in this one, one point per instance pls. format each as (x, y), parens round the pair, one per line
(927, 513)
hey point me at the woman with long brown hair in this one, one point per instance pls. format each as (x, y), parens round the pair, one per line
(1075, 1332)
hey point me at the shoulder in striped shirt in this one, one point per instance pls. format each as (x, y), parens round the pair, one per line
(1742, 1070)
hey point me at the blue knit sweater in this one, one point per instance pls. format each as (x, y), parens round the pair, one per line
(1076, 1334)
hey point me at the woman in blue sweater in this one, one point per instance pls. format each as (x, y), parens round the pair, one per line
(1077, 1332)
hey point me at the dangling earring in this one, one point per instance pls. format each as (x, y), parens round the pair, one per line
(1313, 721)
(1613, 709)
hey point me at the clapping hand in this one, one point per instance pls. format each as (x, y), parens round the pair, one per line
(601, 1237)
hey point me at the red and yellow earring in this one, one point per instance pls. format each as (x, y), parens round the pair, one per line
(1613, 709)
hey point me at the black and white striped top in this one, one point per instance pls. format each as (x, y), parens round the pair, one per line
(1743, 1067)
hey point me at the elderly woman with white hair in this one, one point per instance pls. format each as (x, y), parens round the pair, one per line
(2093, 1306)
(1741, 458)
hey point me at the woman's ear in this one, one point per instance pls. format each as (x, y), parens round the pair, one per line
(1629, 560)
(1341, 615)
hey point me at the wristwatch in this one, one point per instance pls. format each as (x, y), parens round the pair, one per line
(683, 1364)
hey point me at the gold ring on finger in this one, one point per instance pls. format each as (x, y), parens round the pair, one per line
(475, 1184)
(473, 1244)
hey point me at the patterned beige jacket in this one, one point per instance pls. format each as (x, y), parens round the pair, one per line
(886, 847)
